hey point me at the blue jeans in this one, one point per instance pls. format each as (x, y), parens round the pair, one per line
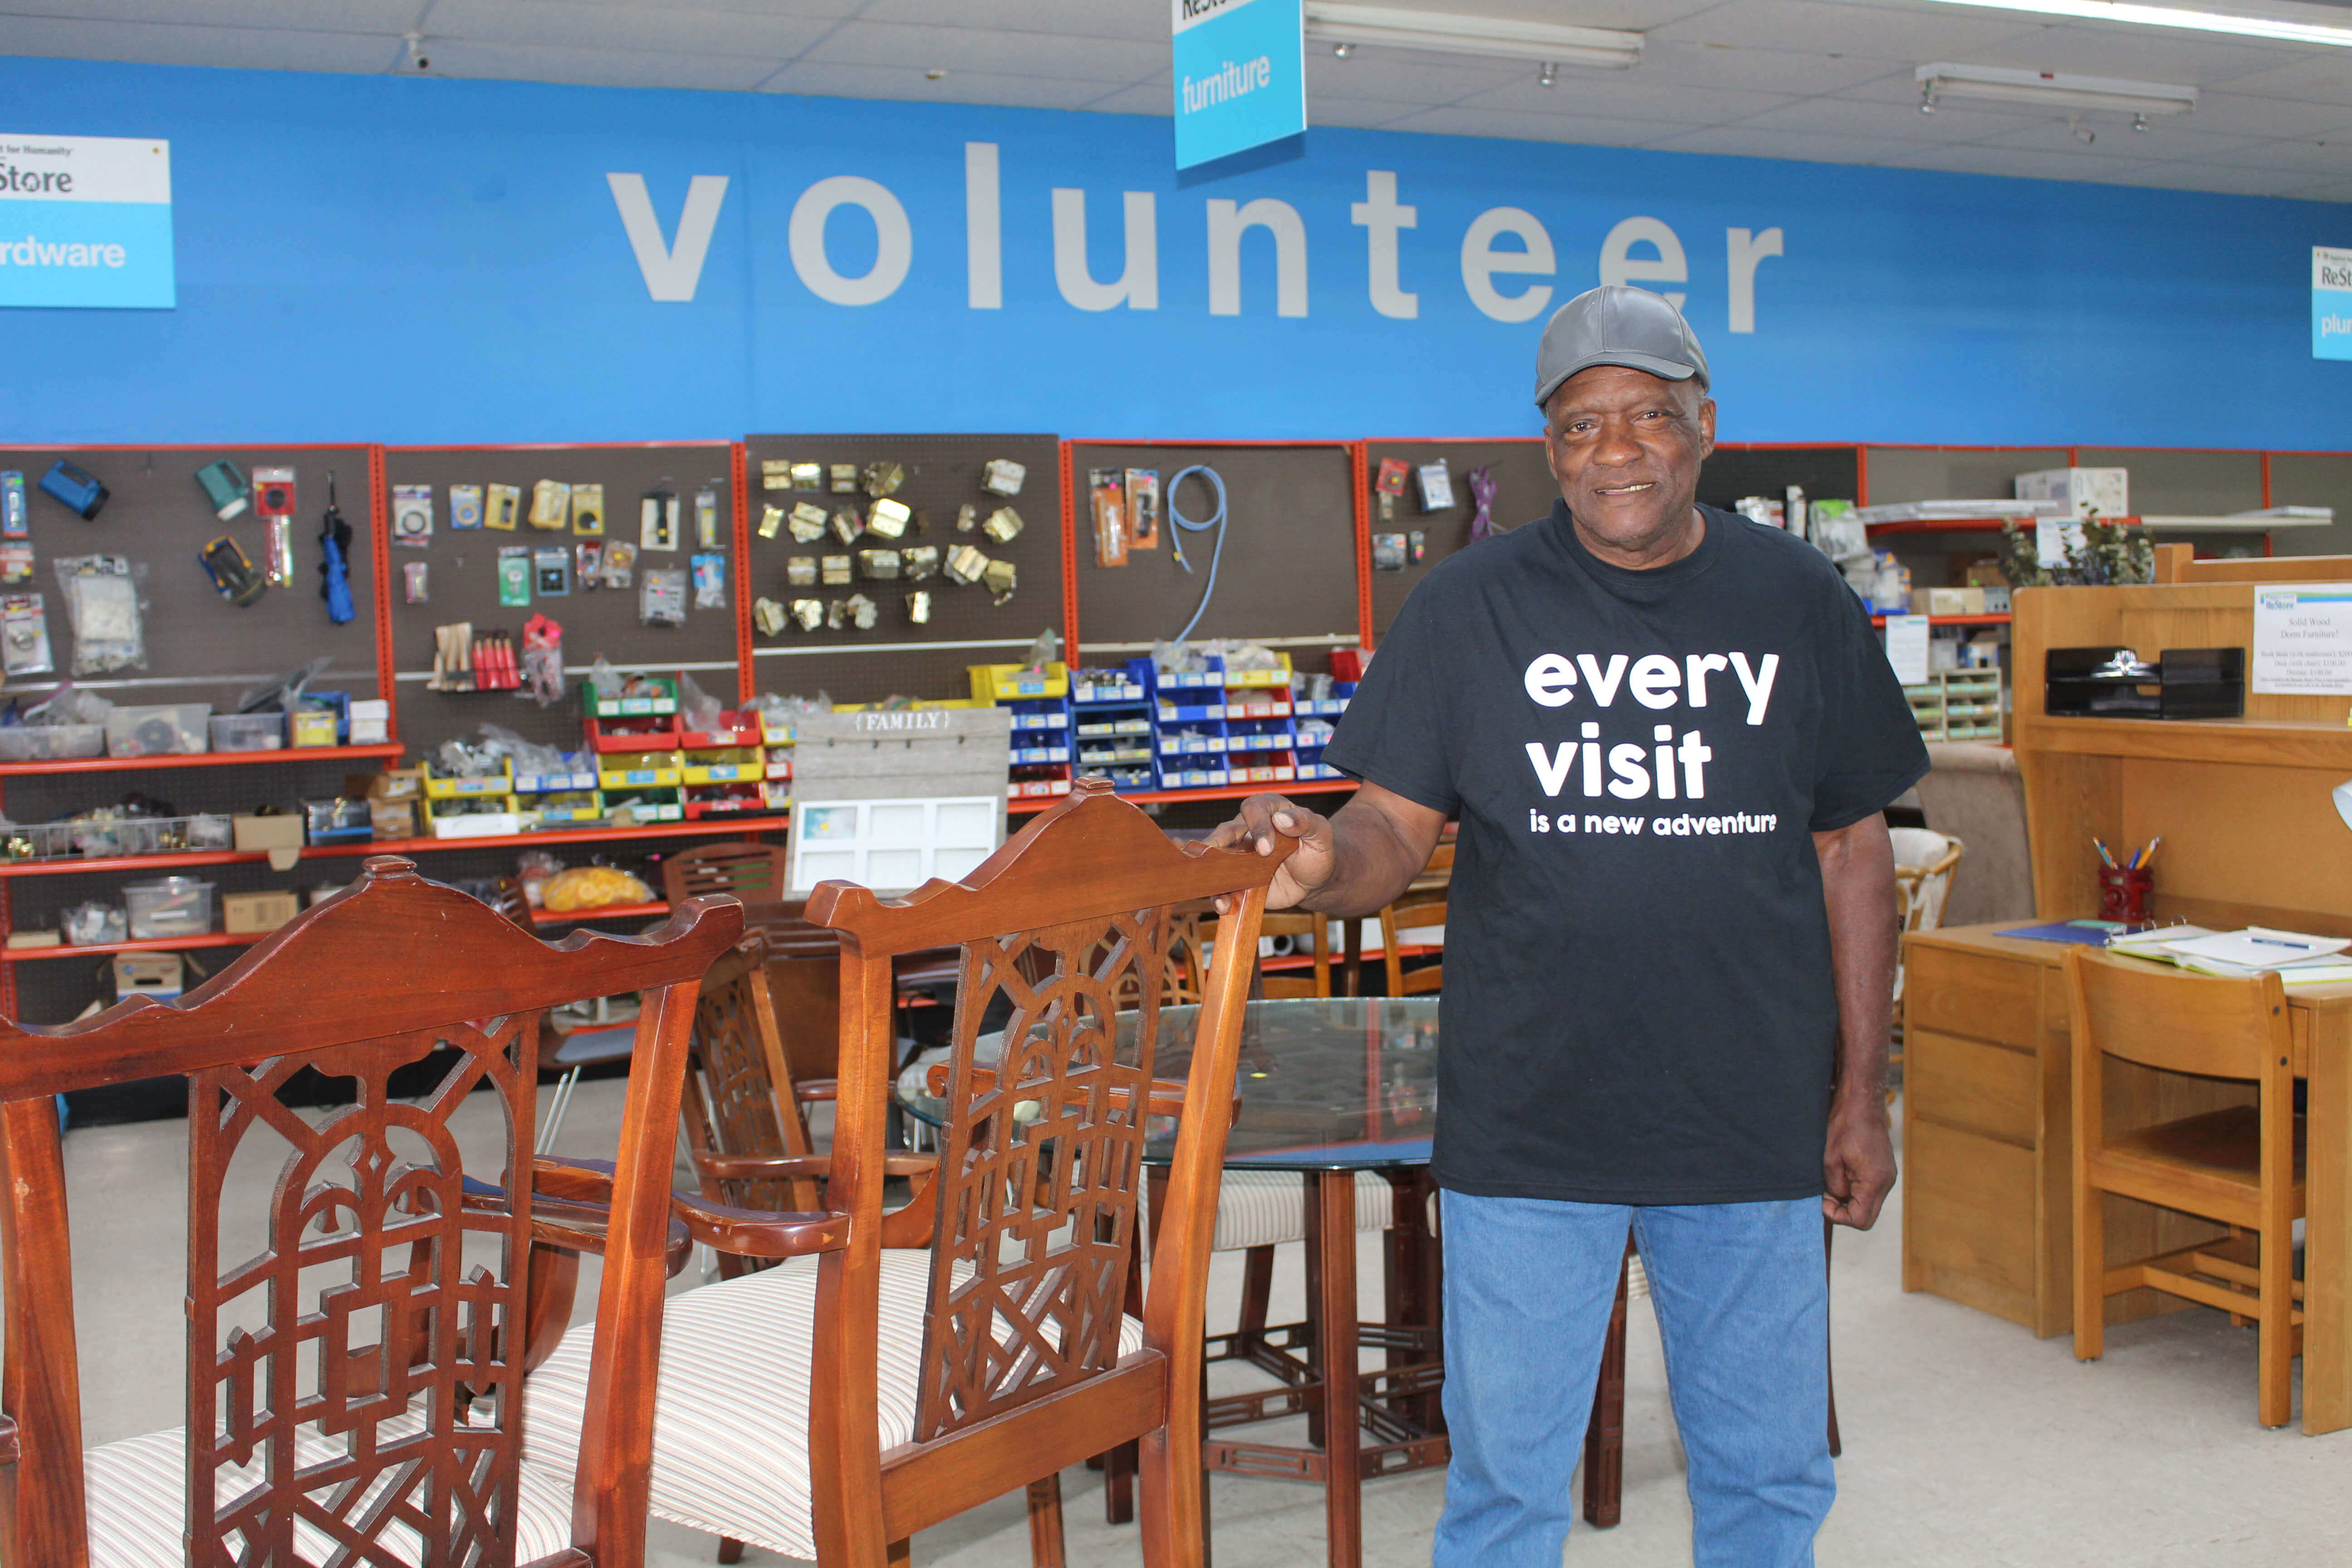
(1743, 1307)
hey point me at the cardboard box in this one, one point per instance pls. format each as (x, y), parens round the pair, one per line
(250, 914)
(370, 722)
(157, 975)
(311, 727)
(392, 819)
(280, 835)
(393, 784)
(1947, 601)
(2081, 491)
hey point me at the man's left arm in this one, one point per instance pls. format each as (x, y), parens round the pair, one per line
(1858, 885)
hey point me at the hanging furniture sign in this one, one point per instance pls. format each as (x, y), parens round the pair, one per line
(86, 222)
(1240, 70)
(2331, 302)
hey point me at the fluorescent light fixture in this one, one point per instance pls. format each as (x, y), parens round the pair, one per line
(1548, 43)
(2055, 89)
(2174, 17)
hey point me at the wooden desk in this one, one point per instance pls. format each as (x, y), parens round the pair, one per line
(1987, 1148)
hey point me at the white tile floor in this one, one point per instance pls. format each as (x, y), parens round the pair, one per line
(1968, 1441)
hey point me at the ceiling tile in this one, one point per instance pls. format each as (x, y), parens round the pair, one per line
(390, 16)
(1619, 93)
(1354, 113)
(2243, 114)
(1822, 26)
(1895, 121)
(831, 79)
(1592, 130)
(1393, 76)
(2223, 181)
(998, 53)
(1081, 18)
(2322, 76)
(2136, 54)
(1754, 71)
(1747, 141)
(1633, 14)
(157, 44)
(2321, 159)
(1150, 98)
(2339, 192)
(659, 29)
(2018, 163)
(2115, 140)
(468, 60)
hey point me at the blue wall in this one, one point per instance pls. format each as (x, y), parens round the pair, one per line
(415, 260)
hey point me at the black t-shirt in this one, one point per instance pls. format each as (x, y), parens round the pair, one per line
(1638, 1004)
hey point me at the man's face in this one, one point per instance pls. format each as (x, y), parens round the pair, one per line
(1626, 446)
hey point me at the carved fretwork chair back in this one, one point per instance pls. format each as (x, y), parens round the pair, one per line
(741, 1101)
(353, 1383)
(1028, 1360)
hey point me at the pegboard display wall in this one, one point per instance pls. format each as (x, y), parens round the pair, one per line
(1523, 491)
(462, 579)
(940, 475)
(1291, 541)
(200, 647)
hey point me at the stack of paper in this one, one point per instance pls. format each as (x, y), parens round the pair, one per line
(2297, 957)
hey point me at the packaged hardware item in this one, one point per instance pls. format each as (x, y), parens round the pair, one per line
(273, 492)
(879, 566)
(661, 597)
(551, 503)
(767, 616)
(224, 484)
(1143, 509)
(658, 521)
(706, 519)
(889, 517)
(808, 476)
(775, 474)
(24, 636)
(550, 571)
(964, 565)
(919, 561)
(807, 522)
(501, 507)
(1436, 486)
(15, 523)
(514, 574)
(1004, 525)
(1107, 493)
(999, 578)
(102, 609)
(588, 564)
(73, 488)
(799, 570)
(861, 611)
(847, 524)
(844, 478)
(710, 582)
(807, 613)
(918, 606)
(620, 562)
(232, 571)
(412, 516)
(1002, 477)
(833, 571)
(465, 506)
(967, 518)
(15, 562)
(771, 521)
(588, 511)
(883, 479)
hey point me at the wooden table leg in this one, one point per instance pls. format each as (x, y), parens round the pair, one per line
(2327, 1226)
(1333, 1216)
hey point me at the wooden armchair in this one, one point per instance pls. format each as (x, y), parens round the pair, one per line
(353, 1382)
(1411, 912)
(831, 1407)
(756, 873)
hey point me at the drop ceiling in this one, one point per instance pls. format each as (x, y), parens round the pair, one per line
(1822, 80)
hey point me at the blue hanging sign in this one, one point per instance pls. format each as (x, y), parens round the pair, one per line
(2331, 302)
(1240, 69)
(86, 221)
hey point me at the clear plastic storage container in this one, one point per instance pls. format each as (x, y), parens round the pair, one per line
(248, 732)
(51, 742)
(162, 729)
(169, 907)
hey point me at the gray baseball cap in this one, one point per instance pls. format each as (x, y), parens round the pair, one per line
(1614, 324)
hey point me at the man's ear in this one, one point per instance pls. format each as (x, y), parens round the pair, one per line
(1707, 426)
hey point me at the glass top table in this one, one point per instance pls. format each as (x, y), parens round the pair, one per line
(1341, 1083)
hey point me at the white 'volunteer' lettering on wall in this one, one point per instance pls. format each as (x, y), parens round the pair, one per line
(1501, 243)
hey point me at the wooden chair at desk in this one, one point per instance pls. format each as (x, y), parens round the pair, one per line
(1422, 911)
(1435, 876)
(831, 1407)
(406, 1447)
(2242, 1166)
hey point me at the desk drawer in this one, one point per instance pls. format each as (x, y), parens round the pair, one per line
(1968, 1220)
(1969, 994)
(1986, 1089)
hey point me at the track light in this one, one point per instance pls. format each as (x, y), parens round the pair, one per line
(1548, 74)
(2056, 89)
(415, 42)
(2139, 122)
(2083, 132)
(1343, 49)
(1550, 44)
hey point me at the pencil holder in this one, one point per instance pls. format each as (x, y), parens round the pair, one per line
(2123, 894)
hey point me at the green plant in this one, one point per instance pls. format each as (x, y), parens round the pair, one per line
(2112, 553)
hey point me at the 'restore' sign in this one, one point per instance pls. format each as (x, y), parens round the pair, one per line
(1240, 70)
(2331, 302)
(86, 222)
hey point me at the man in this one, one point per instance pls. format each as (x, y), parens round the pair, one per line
(1667, 733)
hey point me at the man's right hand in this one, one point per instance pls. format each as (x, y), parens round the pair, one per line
(1310, 868)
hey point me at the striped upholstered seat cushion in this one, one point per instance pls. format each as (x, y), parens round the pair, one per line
(730, 1421)
(138, 1489)
(1266, 1208)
